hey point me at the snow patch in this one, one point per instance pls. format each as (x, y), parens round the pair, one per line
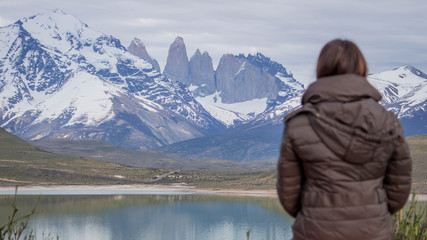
(86, 97)
(289, 81)
(402, 90)
(192, 87)
(148, 105)
(7, 36)
(228, 113)
(242, 67)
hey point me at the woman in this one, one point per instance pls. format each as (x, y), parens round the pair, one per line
(344, 165)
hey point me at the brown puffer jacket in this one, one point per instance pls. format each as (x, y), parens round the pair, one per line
(344, 165)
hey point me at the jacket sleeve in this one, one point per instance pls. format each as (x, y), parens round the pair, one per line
(289, 177)
(397, 181)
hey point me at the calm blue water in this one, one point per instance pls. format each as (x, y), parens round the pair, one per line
(205, 217)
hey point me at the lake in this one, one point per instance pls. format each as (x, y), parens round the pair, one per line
(155, 216)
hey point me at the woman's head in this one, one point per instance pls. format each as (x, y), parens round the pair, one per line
(341, 57)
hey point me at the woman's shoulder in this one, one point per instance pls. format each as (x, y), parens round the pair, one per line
(298, 117)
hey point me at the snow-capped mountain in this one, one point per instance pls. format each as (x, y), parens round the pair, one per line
(241, 88)
(404, 91)
(138, 49)
(249, 86)
(60, 78)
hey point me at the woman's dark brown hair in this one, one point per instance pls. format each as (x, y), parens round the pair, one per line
(341, 57)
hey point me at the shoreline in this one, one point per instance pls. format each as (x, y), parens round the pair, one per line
(131, 189)
(136, 189)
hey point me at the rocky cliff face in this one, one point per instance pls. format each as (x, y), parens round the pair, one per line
(241, 88)
(197, 74)
(236, 79)
(138, 49)
(177, 66)
(253, 86)
(202, 74)
(239, 80)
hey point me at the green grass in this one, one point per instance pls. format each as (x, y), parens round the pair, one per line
(410, 223)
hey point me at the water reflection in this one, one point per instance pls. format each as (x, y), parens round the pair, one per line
(158, 217)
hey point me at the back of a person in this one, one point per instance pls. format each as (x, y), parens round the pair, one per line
(336, 151)
(341, 199)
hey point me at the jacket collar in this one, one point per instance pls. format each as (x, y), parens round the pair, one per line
(340, 88)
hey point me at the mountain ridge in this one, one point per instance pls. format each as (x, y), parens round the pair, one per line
(61, 79)
(260, 137)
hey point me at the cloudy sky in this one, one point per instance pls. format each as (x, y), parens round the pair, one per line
(390, 33)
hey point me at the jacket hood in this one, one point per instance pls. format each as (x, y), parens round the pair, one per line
(340, 88)
(351, 144)
(344, 112)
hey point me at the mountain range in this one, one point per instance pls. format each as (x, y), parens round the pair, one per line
(259, 138)
(60, 79)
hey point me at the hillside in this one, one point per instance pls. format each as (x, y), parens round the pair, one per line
(100, 150)
(22, 163)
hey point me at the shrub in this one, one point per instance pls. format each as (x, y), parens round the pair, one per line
(15, 226)
(410, 222)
